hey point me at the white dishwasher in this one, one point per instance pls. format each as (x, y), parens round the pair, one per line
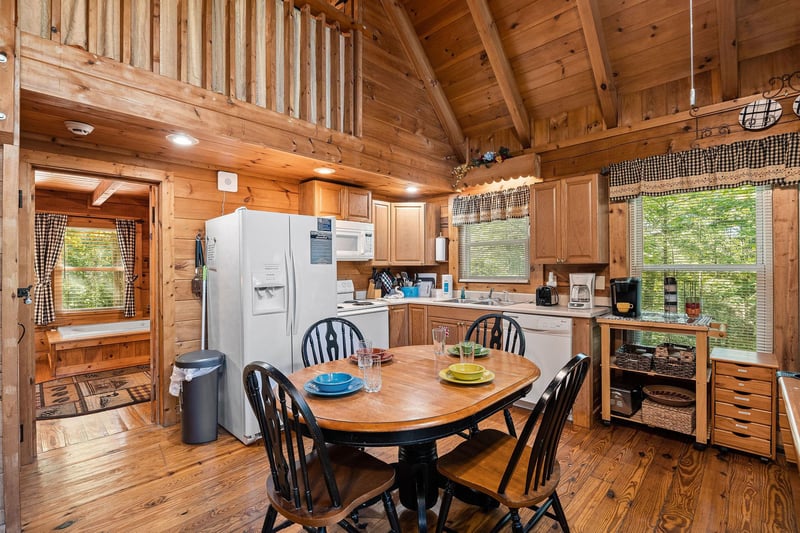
(548, 343)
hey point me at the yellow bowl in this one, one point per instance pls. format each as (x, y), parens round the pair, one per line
(466, 371)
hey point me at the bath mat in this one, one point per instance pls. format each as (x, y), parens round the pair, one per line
(90, 393)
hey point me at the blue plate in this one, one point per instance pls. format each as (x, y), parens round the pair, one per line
(354, 385)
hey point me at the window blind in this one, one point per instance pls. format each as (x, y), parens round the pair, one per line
(718, 241)
(496, 251)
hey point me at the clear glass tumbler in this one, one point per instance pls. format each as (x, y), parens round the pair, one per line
(467, 351)
(439, 336)
(372, 374)
(363, 353)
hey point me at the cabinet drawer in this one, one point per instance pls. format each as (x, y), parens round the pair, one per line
(746, 414)
(756, 401)
(742, 442)
(745, 371)
(791, 453)
(753, 386)
(743, 428)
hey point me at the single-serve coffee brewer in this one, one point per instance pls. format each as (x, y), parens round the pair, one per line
(626, 296)
(581, 291)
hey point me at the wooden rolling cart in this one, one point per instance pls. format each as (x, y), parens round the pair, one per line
(701, 328)
(744, 401)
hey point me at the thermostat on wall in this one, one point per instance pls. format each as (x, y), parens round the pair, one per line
(227, 181)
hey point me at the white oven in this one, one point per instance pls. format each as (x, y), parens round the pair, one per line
(371, 317)
(355, 241)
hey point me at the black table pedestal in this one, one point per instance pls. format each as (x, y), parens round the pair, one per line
(417, 479)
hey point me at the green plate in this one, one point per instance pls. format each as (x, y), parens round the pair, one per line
(482, 353)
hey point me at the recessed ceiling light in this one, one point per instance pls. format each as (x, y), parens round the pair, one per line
(182, 139)
(325, 171)
(412, 188)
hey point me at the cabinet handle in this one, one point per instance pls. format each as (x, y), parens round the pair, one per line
(742, 370)
(741, 399)
(741, 426)
(744, 413)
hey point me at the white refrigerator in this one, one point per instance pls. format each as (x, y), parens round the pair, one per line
(270, 276)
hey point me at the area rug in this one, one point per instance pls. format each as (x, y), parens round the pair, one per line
(90, 393)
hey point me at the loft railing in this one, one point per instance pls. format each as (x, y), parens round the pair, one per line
(297, 57)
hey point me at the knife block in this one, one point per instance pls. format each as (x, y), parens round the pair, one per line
(372, 291)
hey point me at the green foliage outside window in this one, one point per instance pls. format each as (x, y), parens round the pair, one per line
(92, 271)
(495, 251)
(708, 238)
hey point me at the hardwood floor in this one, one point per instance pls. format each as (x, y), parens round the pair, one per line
(619, 478)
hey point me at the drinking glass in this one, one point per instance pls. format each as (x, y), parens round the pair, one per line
(363, 354)
(439, 335)
(692, 306)
(467, 351)
(372, 373)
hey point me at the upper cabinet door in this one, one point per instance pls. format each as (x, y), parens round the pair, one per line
(546, 244)
(570, 221)
(380, 218)
(359, 205)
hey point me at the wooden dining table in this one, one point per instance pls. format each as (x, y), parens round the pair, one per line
(414, 408)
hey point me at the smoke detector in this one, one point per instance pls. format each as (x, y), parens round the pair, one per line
(80, 129)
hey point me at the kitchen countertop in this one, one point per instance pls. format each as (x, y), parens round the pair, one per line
(526, 307)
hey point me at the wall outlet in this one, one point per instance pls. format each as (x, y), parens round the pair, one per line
(227, 181)
(600, 283)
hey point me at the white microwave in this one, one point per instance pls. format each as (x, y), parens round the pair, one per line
(355, 241)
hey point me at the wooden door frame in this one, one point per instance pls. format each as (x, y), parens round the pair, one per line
(162, 311)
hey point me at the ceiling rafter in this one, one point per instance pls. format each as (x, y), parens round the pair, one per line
(441, 105)
(501, 66)
(104, 190)
(598, 59)
(728, 49)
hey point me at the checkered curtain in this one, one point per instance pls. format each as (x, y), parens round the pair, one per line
(49, 232)
(772, 160)
(126, 236)
(497, 205)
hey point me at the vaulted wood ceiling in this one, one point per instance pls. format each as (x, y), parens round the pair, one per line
(521, 73)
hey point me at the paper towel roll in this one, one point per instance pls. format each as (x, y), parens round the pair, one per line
(441, 248)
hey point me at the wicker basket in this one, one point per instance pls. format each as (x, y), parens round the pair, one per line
(635, 357)
(680, 419)
(674, 360)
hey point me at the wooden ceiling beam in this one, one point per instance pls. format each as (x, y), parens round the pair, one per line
(104, 190)
(501, 66)
(441, 105)
(728, 49)
(598, 58)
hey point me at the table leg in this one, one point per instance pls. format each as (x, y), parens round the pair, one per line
(416, 479)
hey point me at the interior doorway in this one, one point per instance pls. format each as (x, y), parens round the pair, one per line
(88, 296)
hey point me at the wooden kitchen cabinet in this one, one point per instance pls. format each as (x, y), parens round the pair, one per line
(744, 400)
(570, 221)
(418, 330)
(323, 198)
(405, 233)
(457, 321)
(381, 211)
(398, 325)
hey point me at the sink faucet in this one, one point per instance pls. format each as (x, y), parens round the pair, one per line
(491, 290)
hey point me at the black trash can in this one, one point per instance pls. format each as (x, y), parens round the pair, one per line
(199, 396)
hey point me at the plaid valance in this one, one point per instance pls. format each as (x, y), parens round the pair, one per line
(497, 205)
(772, 160)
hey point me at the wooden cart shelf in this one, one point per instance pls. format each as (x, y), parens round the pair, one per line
(701, 329)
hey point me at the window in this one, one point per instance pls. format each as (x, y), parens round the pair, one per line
(495, 251)
(720, 241)
(89, 274)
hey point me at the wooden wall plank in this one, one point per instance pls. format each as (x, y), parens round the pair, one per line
(9, 76)
(307, 77)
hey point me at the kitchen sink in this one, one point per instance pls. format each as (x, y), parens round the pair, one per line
(480, 301)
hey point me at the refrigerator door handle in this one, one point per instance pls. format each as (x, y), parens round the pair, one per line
(294, 297)
(289, 289)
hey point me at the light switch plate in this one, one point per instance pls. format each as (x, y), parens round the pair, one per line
(600, 283)
(227, 181)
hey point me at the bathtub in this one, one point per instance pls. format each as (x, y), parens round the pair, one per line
(108, 328)
(94, 347)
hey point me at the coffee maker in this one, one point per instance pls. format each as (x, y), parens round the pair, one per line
(626, 296)
(581, 291)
